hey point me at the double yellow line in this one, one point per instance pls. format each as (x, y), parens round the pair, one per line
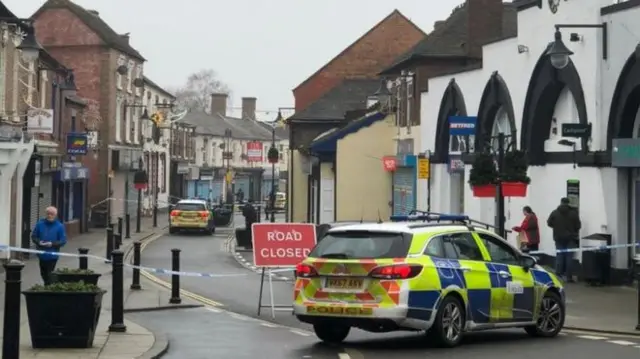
(198, 298)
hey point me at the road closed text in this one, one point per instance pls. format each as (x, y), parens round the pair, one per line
(284, 252)
(282, 244)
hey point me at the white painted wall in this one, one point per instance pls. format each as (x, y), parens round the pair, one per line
(604, 197)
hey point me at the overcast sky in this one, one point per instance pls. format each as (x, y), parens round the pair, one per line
(260, 48)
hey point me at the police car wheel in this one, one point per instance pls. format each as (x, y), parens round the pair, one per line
(448, 327)
(331, 332)
(551, 318)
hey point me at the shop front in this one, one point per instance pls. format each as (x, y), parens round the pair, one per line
(208, 186)
(70, 192)
(178, 179)
(404, 181)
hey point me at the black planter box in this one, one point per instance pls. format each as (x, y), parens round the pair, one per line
(243, 238)
(222, 219)
(88, 278)
(63, 319)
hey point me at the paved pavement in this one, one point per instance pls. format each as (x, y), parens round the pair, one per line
(137, 341)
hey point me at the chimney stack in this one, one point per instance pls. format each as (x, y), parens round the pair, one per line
(93, 12)
(249, 108)
(484, 24)
(126, 37)
(219, 104)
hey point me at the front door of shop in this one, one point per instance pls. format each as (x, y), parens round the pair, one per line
(404, 179)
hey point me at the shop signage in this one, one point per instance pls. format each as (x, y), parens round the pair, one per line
(424, 168)
(462, 125)
(254, 151)
(576, 130)
(183, 168)
(389, 163)
(71, 171)
(405, 147)
(77, 143)
(40, 121)
(626, 152)
(206, 174)
(456, 164)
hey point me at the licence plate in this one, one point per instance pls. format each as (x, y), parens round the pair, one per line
(344, 283)
(188, 215)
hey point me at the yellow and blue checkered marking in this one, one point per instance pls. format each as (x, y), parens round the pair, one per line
(483, 287)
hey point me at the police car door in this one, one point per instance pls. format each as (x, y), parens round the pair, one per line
(469, 264)
(510, 278)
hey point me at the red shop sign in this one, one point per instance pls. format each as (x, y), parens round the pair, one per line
(254, 151)
(389, 163)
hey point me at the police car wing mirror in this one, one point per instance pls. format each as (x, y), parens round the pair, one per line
(528, 262)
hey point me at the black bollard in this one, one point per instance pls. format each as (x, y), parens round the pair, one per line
(110, 244)
(135, 284)
(83, 261)
(155, 215)
(139, 212)
(127, 226)
(117, 239)
(175, 279)
(120, 220)
(11, 330)
(637, 259)
(117, 293)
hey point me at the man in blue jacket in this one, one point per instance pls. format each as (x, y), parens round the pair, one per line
(49, 236)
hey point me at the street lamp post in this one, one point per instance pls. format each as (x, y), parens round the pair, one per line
(559, 54)
(273, 156)
(126, 180)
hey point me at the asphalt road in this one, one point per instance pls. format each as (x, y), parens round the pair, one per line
(239, 294)
(205, 333)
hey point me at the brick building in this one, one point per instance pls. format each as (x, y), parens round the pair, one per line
(109, 75)
(340, 86)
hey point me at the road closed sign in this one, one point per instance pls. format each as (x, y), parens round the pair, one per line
(282, 244)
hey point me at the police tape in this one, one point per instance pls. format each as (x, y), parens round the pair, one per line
(161, 271)
(591, 249)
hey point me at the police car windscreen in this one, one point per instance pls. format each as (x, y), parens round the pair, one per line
(362, 245)
(190, 207)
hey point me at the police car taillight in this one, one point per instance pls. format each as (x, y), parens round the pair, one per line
(305, 271)
(398, 271)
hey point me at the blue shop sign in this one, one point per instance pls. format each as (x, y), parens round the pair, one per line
(462, 125)
(72, 172)
(77, 144)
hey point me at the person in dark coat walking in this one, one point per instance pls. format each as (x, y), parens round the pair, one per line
(566, 225)
(250, 215)
(529, 230)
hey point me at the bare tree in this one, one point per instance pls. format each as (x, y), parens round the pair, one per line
(196, 93)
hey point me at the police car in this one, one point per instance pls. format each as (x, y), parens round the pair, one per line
(191, 215)
(428, 272)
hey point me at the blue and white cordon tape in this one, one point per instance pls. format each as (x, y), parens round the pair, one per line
(163, 271)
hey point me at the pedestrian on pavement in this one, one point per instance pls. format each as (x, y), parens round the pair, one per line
(565, 222)
(528, 231)
(240, 195)
(49, 236)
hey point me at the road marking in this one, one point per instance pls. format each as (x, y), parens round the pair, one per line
(213, 310)
(621, 342)
(344, 356)
(592, 337)
(268, 325)
(299, 332)
(238, 316)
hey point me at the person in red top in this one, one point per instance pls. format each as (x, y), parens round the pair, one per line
(529, 229)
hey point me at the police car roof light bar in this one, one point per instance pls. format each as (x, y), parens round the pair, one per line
(430, 217)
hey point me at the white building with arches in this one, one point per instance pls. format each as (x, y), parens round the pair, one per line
(519, 92)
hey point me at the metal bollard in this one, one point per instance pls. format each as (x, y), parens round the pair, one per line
(120, 220)
(11, 329)
(175, 279)
(117, 238)
(127, 226)
(83, 261)
(155, 215)
(135, 284)
(110, 244)
(117, 293)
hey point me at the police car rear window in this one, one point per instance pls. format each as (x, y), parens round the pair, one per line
(190, 207)
(362, 245)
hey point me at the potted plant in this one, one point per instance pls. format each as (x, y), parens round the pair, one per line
(514, 179)
(63, 315)
(66, 275)
(483, 176)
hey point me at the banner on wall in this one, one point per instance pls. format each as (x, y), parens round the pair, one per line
(462, 125)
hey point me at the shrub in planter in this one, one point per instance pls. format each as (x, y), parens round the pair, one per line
(483, 176)
(63, 315)
(66, 275)
(514, 174)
